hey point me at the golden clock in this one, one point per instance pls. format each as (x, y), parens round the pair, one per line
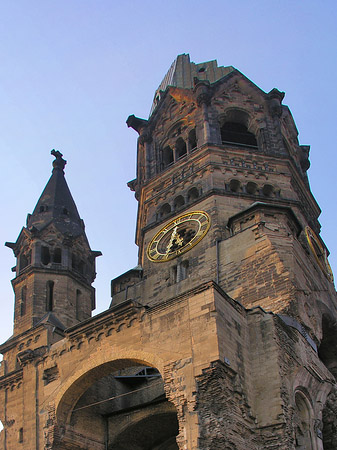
(319, 252)
(178, 236)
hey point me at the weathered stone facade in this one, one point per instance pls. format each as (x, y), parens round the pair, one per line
(228, 339)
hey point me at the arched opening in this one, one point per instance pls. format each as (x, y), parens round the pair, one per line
(268, 190)
(181, 149)
(167, 156)
(119, 406)
(192, 140)
(45, 255)
(329, 419)
(234, 185)
(303, 423)
(327, 350)
(192, 194)
(237, 134)
(251, 188)
(179, 202)
(164, 210)
(57, 256)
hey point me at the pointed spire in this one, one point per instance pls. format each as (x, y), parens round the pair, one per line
(56, 203)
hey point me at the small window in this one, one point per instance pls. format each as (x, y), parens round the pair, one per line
(50, 296)
(45, 255)
(65, 211)
(181, 149)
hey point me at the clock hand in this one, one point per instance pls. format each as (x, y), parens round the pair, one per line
(173, 235)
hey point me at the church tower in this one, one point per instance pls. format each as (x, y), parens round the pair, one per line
(55, 266)
(224, 335)
(224, 195)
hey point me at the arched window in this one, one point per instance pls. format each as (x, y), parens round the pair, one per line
(251, 187)
(45, 255)
(57, 256)
(192, 194)
(167, 156)
(268, 190)
(192, 140)
(237, 134)
(164, 210)
(303, 423)
(181, 149)
(234, 185)
(329, 420)
(50, 296)
(327, 348)
(179, 202)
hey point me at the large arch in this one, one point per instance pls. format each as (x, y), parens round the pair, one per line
(125, 394)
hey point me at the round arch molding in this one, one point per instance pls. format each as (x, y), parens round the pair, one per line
(125, 394)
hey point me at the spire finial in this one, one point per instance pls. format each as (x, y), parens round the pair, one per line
(58, 162)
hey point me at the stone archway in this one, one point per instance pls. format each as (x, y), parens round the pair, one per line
(117, 405)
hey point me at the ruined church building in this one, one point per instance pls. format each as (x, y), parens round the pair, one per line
(223, 337)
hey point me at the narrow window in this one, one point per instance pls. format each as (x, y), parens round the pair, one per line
(181, 149)
(20, 435)
(78, 303)
(192, 140)
(57, 256)
(45, 255)
(167, 156)
(23, 301)
(50, 296)
(23, 261)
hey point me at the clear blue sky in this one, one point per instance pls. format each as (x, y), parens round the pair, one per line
(73, 70)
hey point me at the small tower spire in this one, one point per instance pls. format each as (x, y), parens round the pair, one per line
(55, 265)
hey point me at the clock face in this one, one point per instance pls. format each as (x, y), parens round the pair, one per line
(319, 252)
(178, 236)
